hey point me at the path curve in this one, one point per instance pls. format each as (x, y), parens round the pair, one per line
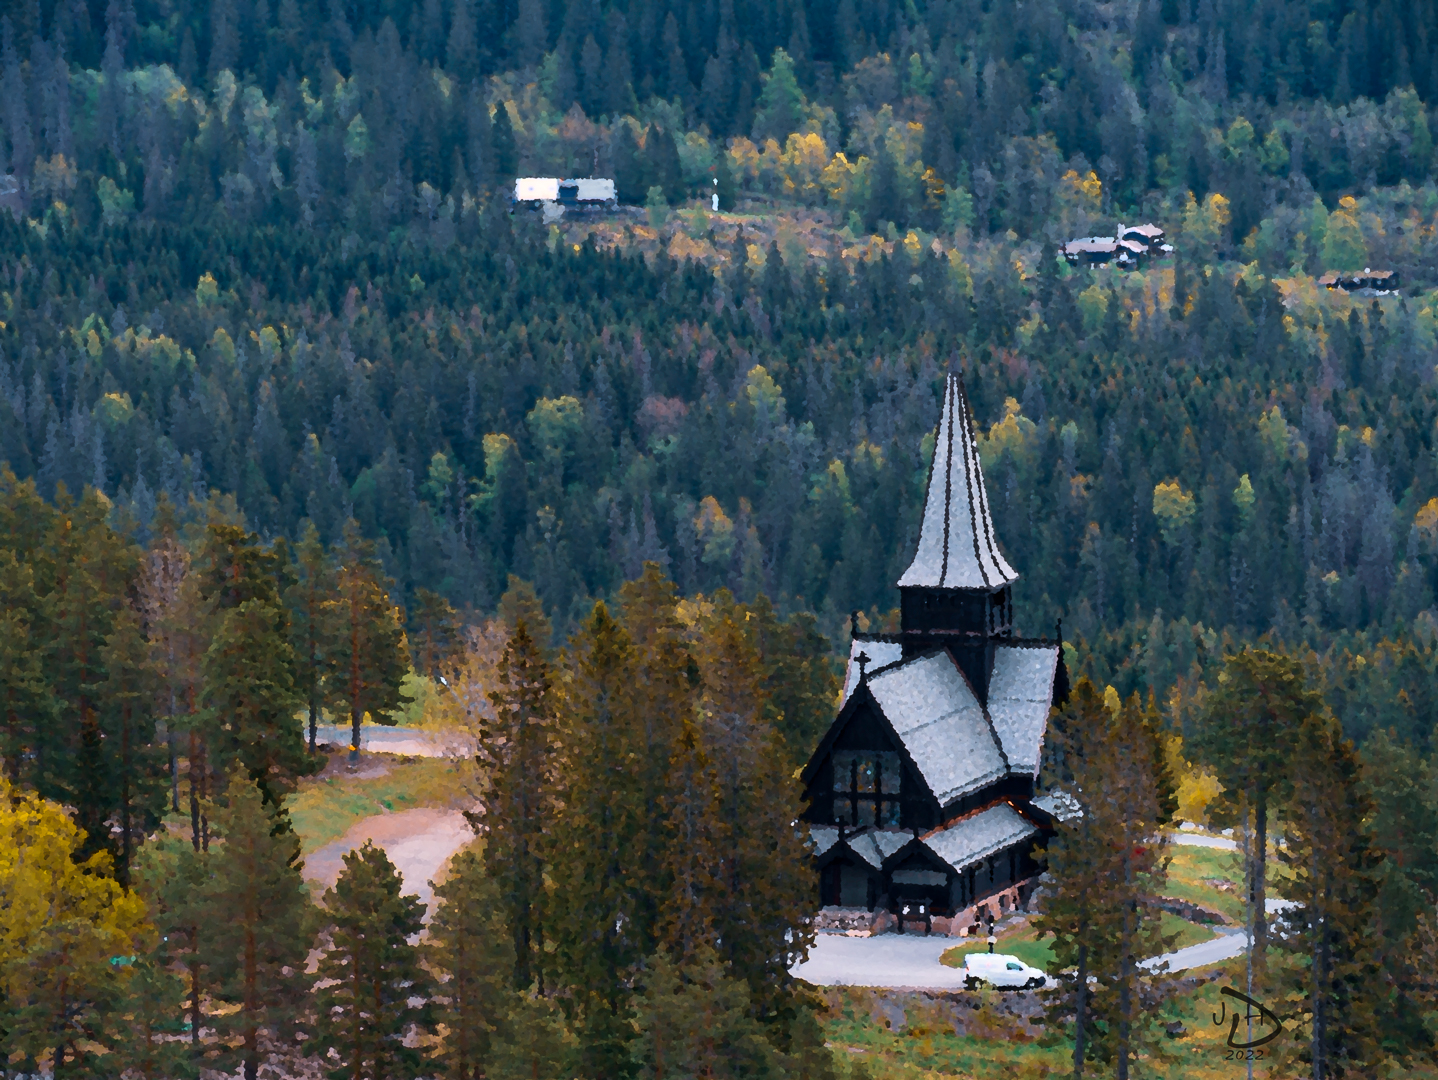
(419, 842)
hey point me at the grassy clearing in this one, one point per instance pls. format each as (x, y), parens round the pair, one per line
(999, 1045)
(1192, 874)
(324, 807)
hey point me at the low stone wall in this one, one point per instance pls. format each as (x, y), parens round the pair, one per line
(974, 918)
(859, 922)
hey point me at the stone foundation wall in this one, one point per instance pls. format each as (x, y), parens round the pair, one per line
(858, 922)
(973, 919)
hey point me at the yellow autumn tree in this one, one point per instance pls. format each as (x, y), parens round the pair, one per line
(67, 937)
(1174, 509)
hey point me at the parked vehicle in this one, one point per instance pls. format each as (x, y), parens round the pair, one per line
(1001, 971)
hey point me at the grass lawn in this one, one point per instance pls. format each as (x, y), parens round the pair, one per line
(1189, 868)
(325, 807)
(1004, 1047)
(1028, 947)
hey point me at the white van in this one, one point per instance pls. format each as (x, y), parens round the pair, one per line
(1002, 971)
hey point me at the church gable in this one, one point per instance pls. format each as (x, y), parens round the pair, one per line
(861, 774)
(933, 710)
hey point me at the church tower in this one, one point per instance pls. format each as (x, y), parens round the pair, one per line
(922, 796)
(957, 593)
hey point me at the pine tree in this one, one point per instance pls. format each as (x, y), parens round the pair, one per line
(472, 954)
(1331, 873)
(311, 632)
(248, 699)
(434, 638)
(373, 971)
(136, 758)
(698, 1020)
(1106, 864)
(516, 752)
(167, 597)
(369, 657)
(261, 918)
(1246, 738)
(27, 707)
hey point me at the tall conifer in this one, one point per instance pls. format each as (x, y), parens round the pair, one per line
(262, 919)
(311, 629)
(369, 658)
(473, 956)
(517, 752)
(372, 971)
(1246, 736)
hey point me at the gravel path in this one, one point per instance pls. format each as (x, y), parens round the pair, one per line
(418, 842)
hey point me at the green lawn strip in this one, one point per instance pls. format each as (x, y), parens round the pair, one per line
(1191, 871)
(1036, 952)
(927, 1046)
(1024, 944)
(323, 809)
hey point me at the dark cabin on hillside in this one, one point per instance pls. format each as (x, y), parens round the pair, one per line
(921, 794)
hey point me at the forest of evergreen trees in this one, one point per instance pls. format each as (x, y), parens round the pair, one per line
(275, 353)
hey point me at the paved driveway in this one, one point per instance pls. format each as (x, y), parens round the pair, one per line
(411, 742)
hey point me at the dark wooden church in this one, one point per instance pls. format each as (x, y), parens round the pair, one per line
(921, 796)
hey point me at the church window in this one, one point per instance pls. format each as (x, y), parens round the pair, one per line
(866, 788)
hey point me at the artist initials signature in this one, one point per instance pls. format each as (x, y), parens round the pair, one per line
(1262, 1015)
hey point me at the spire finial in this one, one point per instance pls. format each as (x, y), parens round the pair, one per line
(863, 659)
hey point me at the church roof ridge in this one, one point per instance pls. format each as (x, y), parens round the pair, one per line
(957, 546)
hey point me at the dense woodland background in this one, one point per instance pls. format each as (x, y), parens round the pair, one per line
(263, 251)
(291, 402)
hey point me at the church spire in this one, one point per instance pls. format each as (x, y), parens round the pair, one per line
(957, 546)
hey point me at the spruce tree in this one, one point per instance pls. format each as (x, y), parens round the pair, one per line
(606, 789)
(248, 699)
(369, 657)
(435, 634)
(173, 878)
(1331, 872)
(150, 1041)
(372, 971)
(1107, 862)
(262, 918)
(698, 1020)
(311, 632)
(517, 751)
(136, 759)
(1246, 737)
(472, 955)
(739, 880)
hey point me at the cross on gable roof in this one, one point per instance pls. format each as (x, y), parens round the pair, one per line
(957, 546)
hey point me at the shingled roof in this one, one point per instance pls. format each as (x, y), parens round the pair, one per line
(932, 708)
(957, 546)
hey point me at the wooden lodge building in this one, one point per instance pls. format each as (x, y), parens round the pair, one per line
(921, 796)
